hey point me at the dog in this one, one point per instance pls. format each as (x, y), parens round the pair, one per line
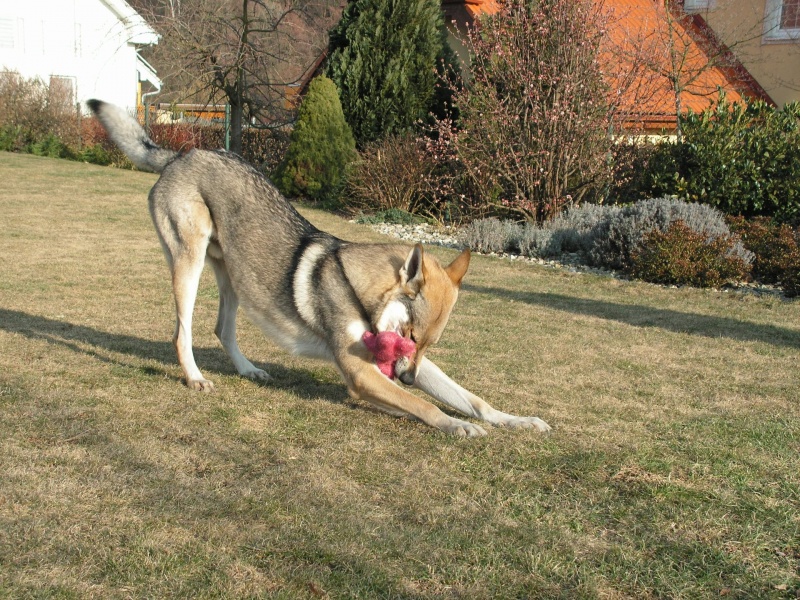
(312, 293)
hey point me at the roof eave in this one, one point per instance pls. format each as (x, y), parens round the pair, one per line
(139, 31)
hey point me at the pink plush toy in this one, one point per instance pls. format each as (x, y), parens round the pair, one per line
(388, 346)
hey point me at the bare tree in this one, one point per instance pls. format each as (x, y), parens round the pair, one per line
(533, 125)
(249, 54)
(682, 55)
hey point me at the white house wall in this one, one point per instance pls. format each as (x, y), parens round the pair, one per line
(78, 39)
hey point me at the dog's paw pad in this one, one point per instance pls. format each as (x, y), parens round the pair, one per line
(201, 385)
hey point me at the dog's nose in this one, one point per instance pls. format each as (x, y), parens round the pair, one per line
(407, 377)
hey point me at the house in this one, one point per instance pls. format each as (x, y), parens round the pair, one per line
(763, 34)
(459, 15)
(641, 36)
(90, 48)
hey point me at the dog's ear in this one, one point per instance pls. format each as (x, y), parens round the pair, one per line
(411, 276)
(458, 268)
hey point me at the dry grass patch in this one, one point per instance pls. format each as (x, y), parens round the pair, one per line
(672, 472)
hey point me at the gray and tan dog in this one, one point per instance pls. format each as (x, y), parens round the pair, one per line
(312, 293)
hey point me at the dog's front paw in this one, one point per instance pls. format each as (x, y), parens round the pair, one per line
(258, 375)
(201, 385)
(515, 422)
(463, 428)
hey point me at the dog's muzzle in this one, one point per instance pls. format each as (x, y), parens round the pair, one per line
(405, 370)
(407, 378)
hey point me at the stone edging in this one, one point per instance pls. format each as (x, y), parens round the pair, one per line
(447, 237)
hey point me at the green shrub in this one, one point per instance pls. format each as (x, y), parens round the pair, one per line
(11, 138)
(740, 158)
(384, 58)
(51, 147)
(683, 256)
(96, 155)
(776, 249)
(321, 146)
(394, 216)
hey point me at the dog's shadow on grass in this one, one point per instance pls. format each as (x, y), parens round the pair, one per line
(90, 341)
(646, 316)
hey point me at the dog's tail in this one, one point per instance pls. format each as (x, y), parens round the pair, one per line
(130, 137)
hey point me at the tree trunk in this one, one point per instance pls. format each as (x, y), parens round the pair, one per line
(237, 116)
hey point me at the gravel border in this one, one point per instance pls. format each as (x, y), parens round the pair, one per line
(572, 263)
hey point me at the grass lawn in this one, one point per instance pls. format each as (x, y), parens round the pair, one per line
(673, 470)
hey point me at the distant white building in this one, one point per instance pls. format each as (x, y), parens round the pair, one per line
(88, 46)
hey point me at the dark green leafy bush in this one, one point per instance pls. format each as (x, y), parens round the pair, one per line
(96, 155)
(740, 158)
(10, 138)
(51, 147)
(683, 256)
(384, 58)
(394, 216)
(321, 147)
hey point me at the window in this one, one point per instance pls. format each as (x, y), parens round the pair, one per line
(62, 91)
(692, 6)
(7, 33)
(782, 21)
(790, 14)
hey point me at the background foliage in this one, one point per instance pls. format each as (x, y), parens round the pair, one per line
(743, 158)
(533, 121)
(384, 59)
(321, 147)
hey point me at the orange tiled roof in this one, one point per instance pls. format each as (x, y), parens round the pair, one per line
(476, 8)
(638, 31)
(642, 30)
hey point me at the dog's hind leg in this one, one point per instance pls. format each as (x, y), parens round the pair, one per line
(187, 267)
(226, 323)
(185, 229)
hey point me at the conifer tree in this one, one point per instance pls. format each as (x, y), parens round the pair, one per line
(321, 146)
(384, 58)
